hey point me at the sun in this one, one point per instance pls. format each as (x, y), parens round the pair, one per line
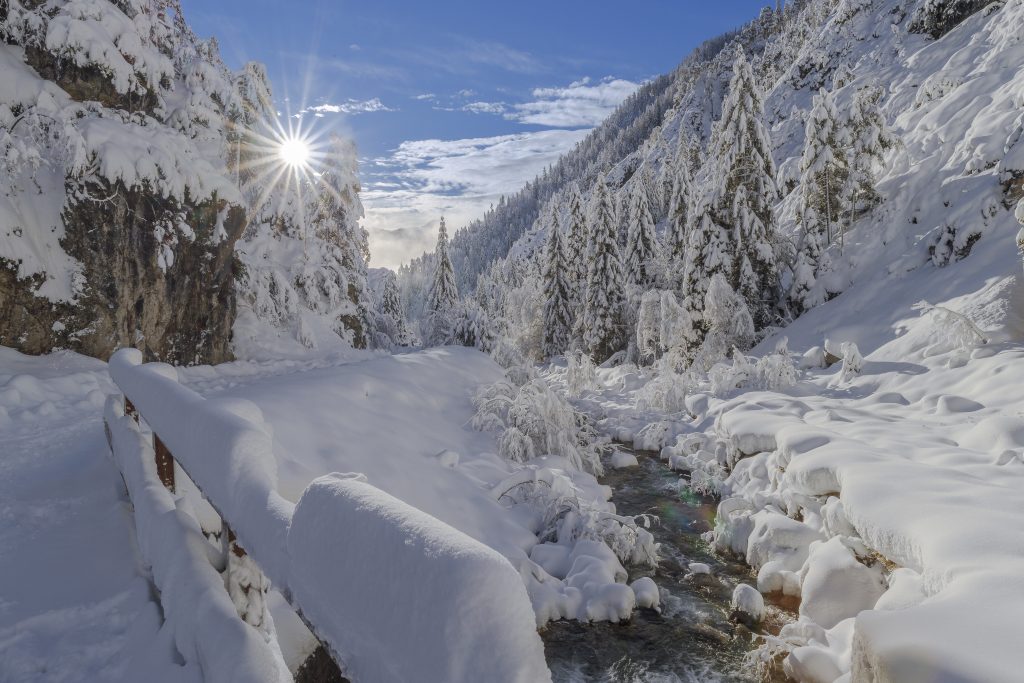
(294, 151)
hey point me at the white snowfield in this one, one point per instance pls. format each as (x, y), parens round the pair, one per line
(395, 593)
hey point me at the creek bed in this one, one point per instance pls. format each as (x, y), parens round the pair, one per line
(692, 639)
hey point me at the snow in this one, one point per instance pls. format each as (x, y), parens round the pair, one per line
(748, 603)
(206, 627)
(74, 602)
(229, 457)
(410, 597)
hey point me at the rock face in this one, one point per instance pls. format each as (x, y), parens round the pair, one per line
(181, 314)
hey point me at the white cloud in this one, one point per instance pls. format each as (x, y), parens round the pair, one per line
(457, 178)
(485, 107)
(466, 92)
(582, 103)
(349, 107)
(355, 47)
(424, 96)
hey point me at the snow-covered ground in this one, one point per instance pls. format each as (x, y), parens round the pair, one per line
(73, 603)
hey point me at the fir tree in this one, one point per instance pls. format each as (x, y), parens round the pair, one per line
(558, 317)
(742, 149)
(442, 296)
(391, 314)
(576, 245)
(679, 204)
(336, 270)
(744, 193)
(707, 255)
(823, 196)
(600, 326)
(870, 139)
(641, 242)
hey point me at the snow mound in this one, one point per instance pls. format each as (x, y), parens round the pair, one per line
(464, 613)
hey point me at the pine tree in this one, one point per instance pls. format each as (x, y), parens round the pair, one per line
(391, 315)
(576, 245)
(679, 204)
(443, 295)
(744, 193)
(336, 270)
(707, 255)
(741, 147)
(600, 326)
(823, 198)
(871, 137)
(641, 242)
(558, 317)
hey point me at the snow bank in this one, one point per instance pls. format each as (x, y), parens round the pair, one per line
(206, 627)
(415, 599)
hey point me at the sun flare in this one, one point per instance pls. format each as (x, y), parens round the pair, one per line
(294, 151)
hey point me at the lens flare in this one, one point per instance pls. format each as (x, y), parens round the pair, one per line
(294, 151)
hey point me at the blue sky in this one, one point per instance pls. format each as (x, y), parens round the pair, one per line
(454, 103)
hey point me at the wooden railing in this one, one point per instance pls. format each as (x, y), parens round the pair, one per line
(229, 458)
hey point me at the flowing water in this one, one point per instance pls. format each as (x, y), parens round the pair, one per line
(692, 639)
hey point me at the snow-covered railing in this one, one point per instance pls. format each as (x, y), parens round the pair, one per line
(393, 593)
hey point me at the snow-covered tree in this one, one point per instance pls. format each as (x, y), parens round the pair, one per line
(707, 254)
(728, 323)
(678, 212)
(558, 317)
(743, 192)
(755, 271)
(741, 148)
(442, 296)
(332, 276)
(871, 137)
(601, 324)
(823, 167)
(642, 246)
(823, 197)
(392, 329)
(576, 243)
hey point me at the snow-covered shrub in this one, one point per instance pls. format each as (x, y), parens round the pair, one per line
(666, 391)
(853, 363)
(473, 327)
(956, 332)
(581, 374)
(537, 421)
(567, 517)
(775, 371)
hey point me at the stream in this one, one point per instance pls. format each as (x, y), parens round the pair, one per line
(692, 639)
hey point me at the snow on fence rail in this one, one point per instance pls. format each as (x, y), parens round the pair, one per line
(393, 593)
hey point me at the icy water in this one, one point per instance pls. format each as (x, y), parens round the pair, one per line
(692, 639)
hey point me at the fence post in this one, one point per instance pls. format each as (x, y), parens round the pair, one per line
(164, 463)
